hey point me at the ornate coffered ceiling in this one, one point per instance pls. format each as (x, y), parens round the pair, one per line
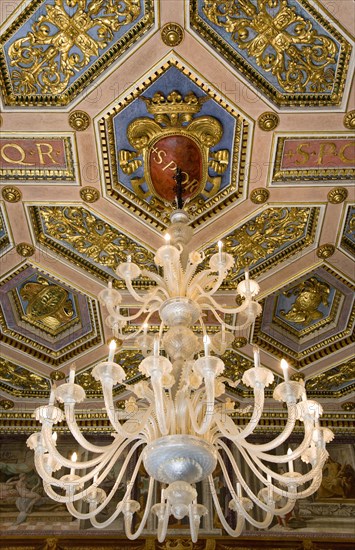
(100, 101)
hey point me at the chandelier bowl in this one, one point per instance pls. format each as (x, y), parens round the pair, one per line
(179, 458)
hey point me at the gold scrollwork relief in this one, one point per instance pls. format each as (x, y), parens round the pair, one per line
(45, 60)
(285, 44)
(310, 295)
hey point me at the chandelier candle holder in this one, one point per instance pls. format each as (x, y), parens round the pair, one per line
(174, 424)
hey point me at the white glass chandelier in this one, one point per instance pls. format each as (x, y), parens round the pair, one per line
(174, 424)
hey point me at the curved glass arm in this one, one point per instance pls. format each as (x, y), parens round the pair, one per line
(148, 504)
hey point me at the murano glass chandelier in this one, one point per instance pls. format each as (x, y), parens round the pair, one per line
(178, 424)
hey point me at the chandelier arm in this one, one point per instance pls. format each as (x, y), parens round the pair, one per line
(50, 481)
(315, 484)
(282, 459)
(120, 505)
(255, 417)
(53, 451)
(75, 431)
(159, 402)
(291, 408)
(226, 325)
(240, 519)
(108, 398)
(133, 293)
(128, 525)
(281, 478)
(240, 478)
(279, 511)
(219, 307)
(141, 310)
(158, 280)
(208, 416)
(92, 513)
(201, 278)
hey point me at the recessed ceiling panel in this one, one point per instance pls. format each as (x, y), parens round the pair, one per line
(286, 49)
(174, 120)
(56, 48)
(46, 318)
(308, 318)
(80, 236)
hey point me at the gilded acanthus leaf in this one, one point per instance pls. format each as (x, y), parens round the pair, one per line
(92, 237)
(64, 40)
(263, 235)
(280, 41)
(333, 378)
(19, 378)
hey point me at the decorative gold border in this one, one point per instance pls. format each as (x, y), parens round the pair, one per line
(203, 210)
(312, 175)
(74, 257)
(92, 73)
(220, 46)
(38, 174)
(345, 243)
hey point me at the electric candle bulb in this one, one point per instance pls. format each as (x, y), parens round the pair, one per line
(72, 374)
(220, 244)
(112, 348)
(129, 258)
(239, 490)
(284, 366)
(256, 356)
(156, 346)
(145, 328)
(74, 458)
(54, 436)
(290, 462)
(206, 344)
(167, 238)
(52, 395)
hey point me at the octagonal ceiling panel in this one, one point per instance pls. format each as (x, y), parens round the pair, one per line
(85, 239)
(267, 239)
(46, 318)
(56, 48)
(287, 49)
(174, 120)
(308, 318)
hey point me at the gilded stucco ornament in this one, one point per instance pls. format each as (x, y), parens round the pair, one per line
(25, 249)
(239, 342)
(325, 251)
(348, 406)
(79, 120)
(63, 46)
(11, 194)
(310, 295)
(174, 128)
(259, 195)
(337, 195)
(349, 120)
(6, 404)
(172, 34)
(336, 377)
(48, 305)
(57, 375)
(288, 49)
(297, 376)
(89, 194)
(268, 121)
